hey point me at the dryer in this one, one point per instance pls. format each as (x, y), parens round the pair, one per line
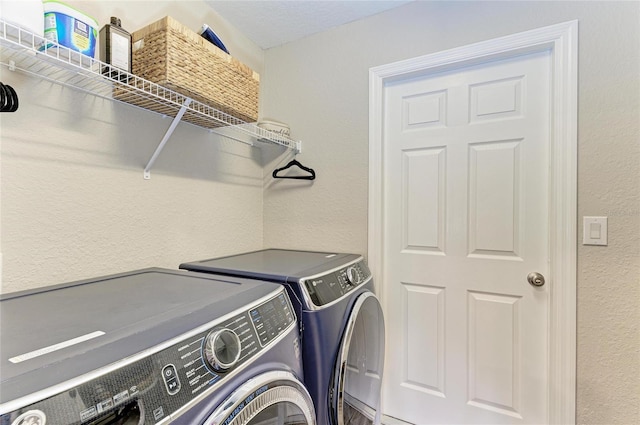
(152, 346)
(341, 325)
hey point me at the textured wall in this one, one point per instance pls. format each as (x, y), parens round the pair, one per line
(319, 85)
(74, 202)
(609, 185)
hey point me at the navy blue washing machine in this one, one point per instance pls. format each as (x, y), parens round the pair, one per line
(341, 325)
(152, 346)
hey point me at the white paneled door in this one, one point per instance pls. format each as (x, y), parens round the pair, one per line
(466, 220)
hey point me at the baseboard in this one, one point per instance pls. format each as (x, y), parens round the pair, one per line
(388, 420)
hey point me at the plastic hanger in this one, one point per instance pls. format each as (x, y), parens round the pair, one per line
(8, 98)
(311, 176)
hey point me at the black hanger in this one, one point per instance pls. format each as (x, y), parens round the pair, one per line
(8, 99)
(311, 176)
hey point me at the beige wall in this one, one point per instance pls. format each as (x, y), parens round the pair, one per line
(319, 85)
(74, 201)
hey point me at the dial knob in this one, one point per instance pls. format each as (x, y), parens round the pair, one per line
(353, 277)
(222, 349)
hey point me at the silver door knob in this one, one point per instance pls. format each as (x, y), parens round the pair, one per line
(535, 278)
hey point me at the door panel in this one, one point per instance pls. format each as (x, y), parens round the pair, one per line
(494, 351)
(423, 199)
(494, 197)
(425, 346)
(466, 156)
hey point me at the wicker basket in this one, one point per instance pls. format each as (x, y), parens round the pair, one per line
(173, 56)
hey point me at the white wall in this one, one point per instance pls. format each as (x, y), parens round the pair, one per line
(319, 85)
(74, 201)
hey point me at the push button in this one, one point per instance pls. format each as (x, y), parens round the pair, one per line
(169, 372)
(171, 381)
(173, 386)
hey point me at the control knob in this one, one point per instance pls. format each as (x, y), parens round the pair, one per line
(222, 349)
(353, 277)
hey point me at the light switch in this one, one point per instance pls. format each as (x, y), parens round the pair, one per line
(594, 230)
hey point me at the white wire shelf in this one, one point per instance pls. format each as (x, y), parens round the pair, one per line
(23, 51)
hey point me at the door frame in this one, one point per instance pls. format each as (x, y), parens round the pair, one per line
(561, 40)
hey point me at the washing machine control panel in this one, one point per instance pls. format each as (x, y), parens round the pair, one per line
(158, 387)
(327, 288)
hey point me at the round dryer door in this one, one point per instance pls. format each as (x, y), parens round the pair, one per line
(271, 398)
(358, 375)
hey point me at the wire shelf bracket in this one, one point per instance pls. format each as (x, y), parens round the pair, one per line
(167, 136)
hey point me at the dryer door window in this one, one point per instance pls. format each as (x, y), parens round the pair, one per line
(355, 396)
(271, 398)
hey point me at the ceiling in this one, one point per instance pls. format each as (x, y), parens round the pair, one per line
(273, 23)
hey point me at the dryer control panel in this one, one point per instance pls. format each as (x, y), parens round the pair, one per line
(157, 386)
(332, 286)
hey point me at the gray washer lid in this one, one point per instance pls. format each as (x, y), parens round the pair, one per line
(274, 265)
(136, 311)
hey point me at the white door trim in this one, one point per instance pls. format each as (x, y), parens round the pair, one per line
(561, 40)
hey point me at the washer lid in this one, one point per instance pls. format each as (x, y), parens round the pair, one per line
(54, 334)
(275, 265)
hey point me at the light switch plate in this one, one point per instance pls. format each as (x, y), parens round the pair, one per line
(594, 231)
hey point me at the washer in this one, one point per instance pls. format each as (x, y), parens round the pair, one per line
(341, 323)
(152, 346)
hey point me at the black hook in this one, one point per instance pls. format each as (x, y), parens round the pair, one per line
(8, 98)
(311, 176)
